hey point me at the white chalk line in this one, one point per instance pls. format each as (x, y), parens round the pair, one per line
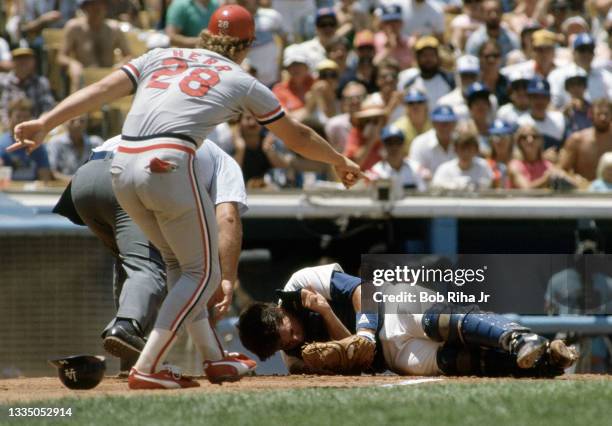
(411, 382)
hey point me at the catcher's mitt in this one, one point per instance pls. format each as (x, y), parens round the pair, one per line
(351, 355)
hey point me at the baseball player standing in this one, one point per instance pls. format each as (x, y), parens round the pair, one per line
(181, 95)
(140, 276)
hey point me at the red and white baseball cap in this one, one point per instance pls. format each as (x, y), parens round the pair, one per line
(234, 21)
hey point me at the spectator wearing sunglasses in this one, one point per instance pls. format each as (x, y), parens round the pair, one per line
(389, 41)
(388, 97)
(321, 101)
(532, 170)
(489, 57)
(326, 24)
(415, 120)
(507, 40)
(395, 165)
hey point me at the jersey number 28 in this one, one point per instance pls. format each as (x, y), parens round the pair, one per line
(193, 84)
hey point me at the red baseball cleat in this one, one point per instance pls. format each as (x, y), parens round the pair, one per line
(229, 369)
(168, 378)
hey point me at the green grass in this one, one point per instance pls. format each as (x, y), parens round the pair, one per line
(515, 403)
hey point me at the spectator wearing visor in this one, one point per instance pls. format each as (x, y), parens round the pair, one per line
(435, 146)
(428, 76)
(395, 165)
(415, 120)
(550, 124)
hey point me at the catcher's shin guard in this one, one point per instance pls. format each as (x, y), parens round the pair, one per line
(472, 327)
(485, 362)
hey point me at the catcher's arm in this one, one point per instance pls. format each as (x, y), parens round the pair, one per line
(317, 303)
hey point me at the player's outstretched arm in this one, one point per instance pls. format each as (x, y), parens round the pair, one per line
(309, 144)
(31, 134)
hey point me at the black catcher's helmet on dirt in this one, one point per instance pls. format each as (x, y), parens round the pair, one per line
(80, 371)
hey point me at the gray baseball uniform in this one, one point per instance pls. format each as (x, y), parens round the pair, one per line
(140, 277)
(181, 95)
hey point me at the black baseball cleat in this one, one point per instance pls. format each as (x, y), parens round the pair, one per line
(529, 349)
(124, 341)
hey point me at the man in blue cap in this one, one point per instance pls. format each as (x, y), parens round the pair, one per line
(502, 146)
(416, 119)
(395, 165)
(478, 98)
(435, 146)
(599, 80)
(326, 24)
(550, 124)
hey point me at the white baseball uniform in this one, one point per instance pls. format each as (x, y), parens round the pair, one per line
(181, 95)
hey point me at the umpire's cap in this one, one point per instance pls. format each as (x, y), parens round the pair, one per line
(234, 21)
(80, 371)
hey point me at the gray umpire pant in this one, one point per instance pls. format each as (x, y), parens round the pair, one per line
(140, 278)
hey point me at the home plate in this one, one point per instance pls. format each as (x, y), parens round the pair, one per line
(411, 382)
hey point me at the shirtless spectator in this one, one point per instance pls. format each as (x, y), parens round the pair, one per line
(582, 150)
(389, 41)
(90, 41)
(186, 18)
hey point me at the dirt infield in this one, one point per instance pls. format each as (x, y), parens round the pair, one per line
(49, 388)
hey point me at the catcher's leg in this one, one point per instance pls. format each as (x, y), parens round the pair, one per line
(406, 348)
(469, 326)
(477, 361)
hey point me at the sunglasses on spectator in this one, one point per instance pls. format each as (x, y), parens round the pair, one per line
(393, 141)
(490, 56)
(327, 24)
(526, 136)
(585, 49)
(387, 76)
(354, 98)
(328, 74)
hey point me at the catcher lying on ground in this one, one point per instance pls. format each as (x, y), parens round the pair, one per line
(319, 328)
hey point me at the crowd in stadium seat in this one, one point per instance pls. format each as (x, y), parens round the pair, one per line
(432, 94)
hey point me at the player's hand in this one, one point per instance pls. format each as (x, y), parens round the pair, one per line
(314, 301)
(28, 135)
(349, 172)
(222, 308)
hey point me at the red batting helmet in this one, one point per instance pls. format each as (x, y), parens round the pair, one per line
(232, 20)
